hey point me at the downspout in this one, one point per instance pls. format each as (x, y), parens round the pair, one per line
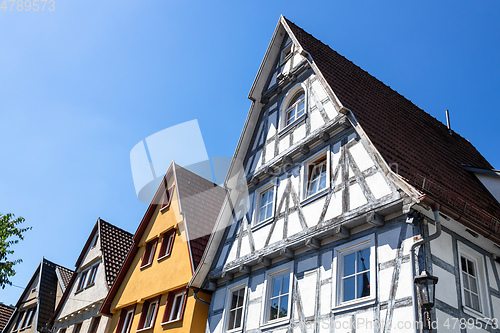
(435, 209)
(195, 294)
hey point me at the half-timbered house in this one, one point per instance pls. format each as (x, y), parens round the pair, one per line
(339, 184)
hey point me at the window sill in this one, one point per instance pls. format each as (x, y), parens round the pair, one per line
(163, 257)
(171, 322)
(146, 265)
(144, 329)
(476, 314)
(165, 208)
(354, 304)
(275, 322)
(79, 291)
(262, 223)
(90, 285)
(288, 127)
(315, 196)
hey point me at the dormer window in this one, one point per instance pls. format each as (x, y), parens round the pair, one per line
(296, 108)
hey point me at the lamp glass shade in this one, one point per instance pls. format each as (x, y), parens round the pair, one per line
(426, 288)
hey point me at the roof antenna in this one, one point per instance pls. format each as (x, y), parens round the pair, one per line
(448, 121)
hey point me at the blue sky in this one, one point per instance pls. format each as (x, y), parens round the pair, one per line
(83, 84)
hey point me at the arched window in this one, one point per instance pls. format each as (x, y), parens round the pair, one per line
(296, 107)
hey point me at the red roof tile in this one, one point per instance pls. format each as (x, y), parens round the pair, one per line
(416, 145)
(5, 313)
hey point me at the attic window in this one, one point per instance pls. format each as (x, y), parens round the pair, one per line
(286, 53)
(94, 241)
(167, 198)
(167, 243)
(149, 253)
(295, 108)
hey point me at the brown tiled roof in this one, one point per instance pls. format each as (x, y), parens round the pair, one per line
(419, 146)
(115, 244)
(201, 202)
(5, 313)
(65, 274)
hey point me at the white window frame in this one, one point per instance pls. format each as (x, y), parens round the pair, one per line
(338, 264)
(258, 201)
(152, 313)
(284, 127)
(92, 275)
(326, 152)
(478, 259)
(178, 316)
(270, 274)
(243, 284)
(128, 324)
(287, 52)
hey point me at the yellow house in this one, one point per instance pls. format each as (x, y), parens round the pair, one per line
(150, 293)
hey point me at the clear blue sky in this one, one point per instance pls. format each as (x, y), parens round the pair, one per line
(81, 85)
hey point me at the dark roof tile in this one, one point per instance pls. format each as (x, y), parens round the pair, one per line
(419, 146)
(5, 313)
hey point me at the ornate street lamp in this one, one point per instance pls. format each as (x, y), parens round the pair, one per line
(426, 287)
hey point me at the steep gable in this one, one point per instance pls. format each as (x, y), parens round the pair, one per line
(419, 147)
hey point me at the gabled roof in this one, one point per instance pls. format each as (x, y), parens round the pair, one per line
(115, 244)
(46, 273)
(427, 156)
(5, 313)
(64, 275)
(199, 202)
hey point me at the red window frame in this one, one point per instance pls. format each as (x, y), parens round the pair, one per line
(123, 315)
(167, 198)
(169, 305)
(149, 253)
(167, 243)
(144, 313)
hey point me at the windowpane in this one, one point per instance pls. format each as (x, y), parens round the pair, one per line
(349, 289)
(475, 302)
(286, 284)
(273, 313)
(232, 315)
(237, 322)
(467, 298)
(300, 108)
(234, 300)
(465, 279)
(266, 204)
(276, 286)
(349, 264)
(240, 296)
(151, 314)
(283, 306)
(363, 258)
(464, 264)
(128, 322)
(317, 178)
(473, 285)
(363, 288)
(470, 268)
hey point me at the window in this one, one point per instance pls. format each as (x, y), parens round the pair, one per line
(77, 328)
(295, 108)
(473, 282)
(151, 314)
(62, 330)
(266, 204)
(167, 243)
(19, 321)
(355, 270)
(28, 318)
(235, 306)
(167, 198)
(83, 278)
(286, 53)
(94, 325)
(316, 174)
(149, 253)
(125, 321)
(316, 180)
(175, 306)
(278, 295)
(93, 273)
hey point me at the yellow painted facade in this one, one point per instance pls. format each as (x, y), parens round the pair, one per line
(160, 278)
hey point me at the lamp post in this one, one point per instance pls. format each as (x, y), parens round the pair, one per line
(426, 284)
